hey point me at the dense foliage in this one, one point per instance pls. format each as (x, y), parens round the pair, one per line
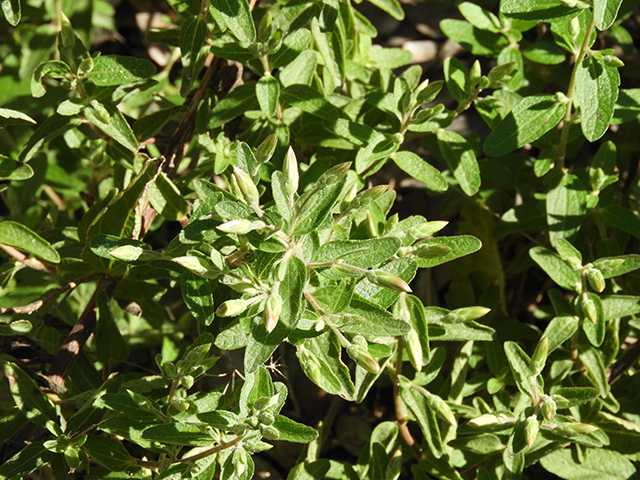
(201, 249)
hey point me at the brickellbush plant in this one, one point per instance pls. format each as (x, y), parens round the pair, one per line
(224, 202)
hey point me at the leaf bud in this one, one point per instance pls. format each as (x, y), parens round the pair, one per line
(363, 358)
(187, 382)
(466, 314)
(272, 311)
(264, 403)
(240, 226)
(67, 36)
(195, 264)
(582, 428)
(427, 91)
(414, 349)
(265, 28)
(266, 418)
(596, 280)
(495, 418)
(475, 73)
(270, 432)
(347, 270)
(240, 429)
(531, 428)
(397, 137)
(246, 186)
(548, 408)
(539, 357)
(426, 229)
(290, 172)
(100, 112)
(574, 263)
(502, 74)
(232, 308)
(126, 253)
(388, 280)
(265, 150)
(180, 405)
(574, 23)
(589, 309)
(442, 408)
(612, 61)
(85, 67)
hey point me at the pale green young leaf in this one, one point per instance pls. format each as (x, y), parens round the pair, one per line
(461, 160)
(617, 306)
(110, 346)
(236, 15)
(460, 245)
(424, 414)
(26, 240)
(534, 116)
(544, 52)
(460, 332)
(167, 200)
(596, 92)
(623, 434)
(179, 433)
(421, 170)
(619, 265)
(118, 70)
(405, 268)
(561, 329)
(566, 250)
(572, 396)
(310, 100)
(293, 45)
(359, 253)
(390, 58)
(372, 320)
(268, 94)
(605, 13)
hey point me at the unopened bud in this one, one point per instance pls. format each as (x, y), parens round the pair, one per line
(290, 172)
(574, 263)
(266, 418)
(85, 67)
(531, 428)
(539, 357)
(427, 229)
(548, 408)
(187, 381)
(232, 308)
(240, 226)
(388, 280)
(100, 112)
(270, 432)
(574, 24)
(612, 61)
(582, 428)
(395, 465)
(589, 309)
(272, 311)
(596, 280)
(502, 74)
(414, 349)
(127, 253)
(246, 186)
(442, 409)
(265, 150)
(240, 429)
(180, 405)
(466, 314)
(195, 264)
(363, 358)
(475, 72)
(66, 35)
(491, 419)
(169, 370)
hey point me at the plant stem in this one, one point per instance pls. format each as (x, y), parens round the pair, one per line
(400, 418)
(568, 117)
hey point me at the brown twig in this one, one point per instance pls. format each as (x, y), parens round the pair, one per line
(400, 418)
(199, 456)
(80, 333)
(33, 263)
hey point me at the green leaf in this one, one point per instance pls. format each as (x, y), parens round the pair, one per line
(617, 306)
(575, 396)
(536, 9)
(376, 320)
(424, 414)
(143, 412)
(108, 452)
(236, 15)
(12, 11)
(596, 464)
(268, 94)
(405, 268)
(392, 7)
(556, 268)
(310, 100)
(623, 434)
(559, 330)
(479, 17)
(117, 70)
(595, 331)
(28, 397)
(193, 33)
(358, 253)
(110, 346)
(478, 42)
(115, 125)
(593, 361)
(534, 116)
(165, 197)
(519, 363)
(331, 50)
(605, 13)
(301, 70)
(10, 117)
(52, 127)
(544, 52)
(566, 208)
(149, 125)
(457, 79)
(24, 239)
(421, 170)
(461, 159)
(198, 295)
(621, 218)
(460, 332)
(525, 217)
(460, 245)
(179, 434)
(242, 99)
(30, 458)
(292, 431)
(596, 92)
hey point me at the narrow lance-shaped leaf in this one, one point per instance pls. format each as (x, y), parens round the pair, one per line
(113, 124)
(197, 293)
(28, 396)
(236, 15)
(528, 121)
(110, 346)
(9, 117)
(519, 363)
(167, 199)
(193, 33)
(268, 93)
(12, 11)
(421, 170)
